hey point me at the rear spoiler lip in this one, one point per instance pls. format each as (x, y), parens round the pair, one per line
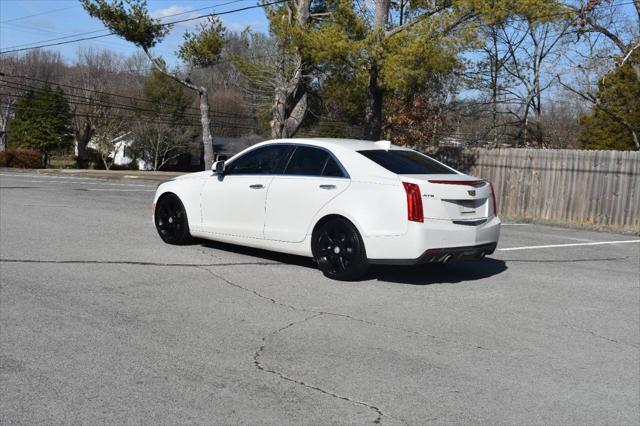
(473, 183)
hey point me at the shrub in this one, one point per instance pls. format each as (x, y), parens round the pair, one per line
(21, 159)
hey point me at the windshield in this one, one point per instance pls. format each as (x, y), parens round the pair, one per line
(403, 162)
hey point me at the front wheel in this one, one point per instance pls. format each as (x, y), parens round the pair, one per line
(339, 251)
(171, 220)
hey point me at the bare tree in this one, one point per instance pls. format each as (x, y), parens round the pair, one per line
(527, 63)
(97, 74)
(157, 141)
(110, 131)
(491, 78)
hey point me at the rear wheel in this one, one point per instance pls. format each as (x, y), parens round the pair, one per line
(171, 220)
(339, 251)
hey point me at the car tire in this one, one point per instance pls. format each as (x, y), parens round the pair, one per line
(171, 220)
(339, 251)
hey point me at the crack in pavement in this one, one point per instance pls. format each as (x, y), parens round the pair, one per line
(312, 311)
(568, 325)
(585, 330)
(261, 367)
(375, 324)
(127, 262)
(316, 314)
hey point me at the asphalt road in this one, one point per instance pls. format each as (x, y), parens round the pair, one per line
(103, 323)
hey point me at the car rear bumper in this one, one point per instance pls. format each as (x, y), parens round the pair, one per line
(433, 240)
(437, 255)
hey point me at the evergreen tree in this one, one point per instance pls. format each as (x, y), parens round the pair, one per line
(165, 96)
(42, 121)
(615, 120)
(363, 57)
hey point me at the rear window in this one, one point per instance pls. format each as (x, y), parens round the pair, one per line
(332, 169)
(406, 162)
(310, 161)
(307, 161)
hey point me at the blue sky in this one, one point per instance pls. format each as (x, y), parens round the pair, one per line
(59, 18)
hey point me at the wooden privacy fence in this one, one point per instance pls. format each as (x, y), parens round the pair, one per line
(599, 188)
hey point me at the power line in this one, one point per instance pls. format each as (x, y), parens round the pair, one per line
(108, 34)
(203, 8)
(143, 119)
(81, 100)
(38, 14)
(13, 50)
(227, 12)
(54, 39)
(35, 30)
(54, 44)
(131, 98)
(219, 114)
(133, 108)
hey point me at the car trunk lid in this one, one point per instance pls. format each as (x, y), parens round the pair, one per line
(452, 197)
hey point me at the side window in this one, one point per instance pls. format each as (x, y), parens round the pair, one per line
(332, 169)
(266, 160)
(307, 161)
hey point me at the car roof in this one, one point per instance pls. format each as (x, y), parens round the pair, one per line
(358, 166)
(340, 144)
(345, 150)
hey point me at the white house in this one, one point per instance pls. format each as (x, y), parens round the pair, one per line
(224, 147)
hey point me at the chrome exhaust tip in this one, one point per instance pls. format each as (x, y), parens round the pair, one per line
(446, 259)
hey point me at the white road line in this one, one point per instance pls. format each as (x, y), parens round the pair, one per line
(86, 183)
(516, 224)
(118, 189)
(44, 175)
(568, 245)
(52, 179)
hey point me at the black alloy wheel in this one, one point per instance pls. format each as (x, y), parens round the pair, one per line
(339, 251)
(171, 220)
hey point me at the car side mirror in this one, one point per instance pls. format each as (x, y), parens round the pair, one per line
(218, 168)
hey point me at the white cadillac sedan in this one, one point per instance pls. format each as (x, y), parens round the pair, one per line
(346, 203)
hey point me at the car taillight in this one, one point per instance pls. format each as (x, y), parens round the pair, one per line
(414, 202)
(493, 197)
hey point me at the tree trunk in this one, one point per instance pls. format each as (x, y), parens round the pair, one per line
(495, 70)
(279, 113)
(290, 96)
(155, 155)
(375, 93)
(636, 141)
(373, 109)
(207, 139)
(83, 137)
(4, 125)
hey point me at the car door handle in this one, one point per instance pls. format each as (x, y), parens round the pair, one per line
(256, 186)
(327, 187)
